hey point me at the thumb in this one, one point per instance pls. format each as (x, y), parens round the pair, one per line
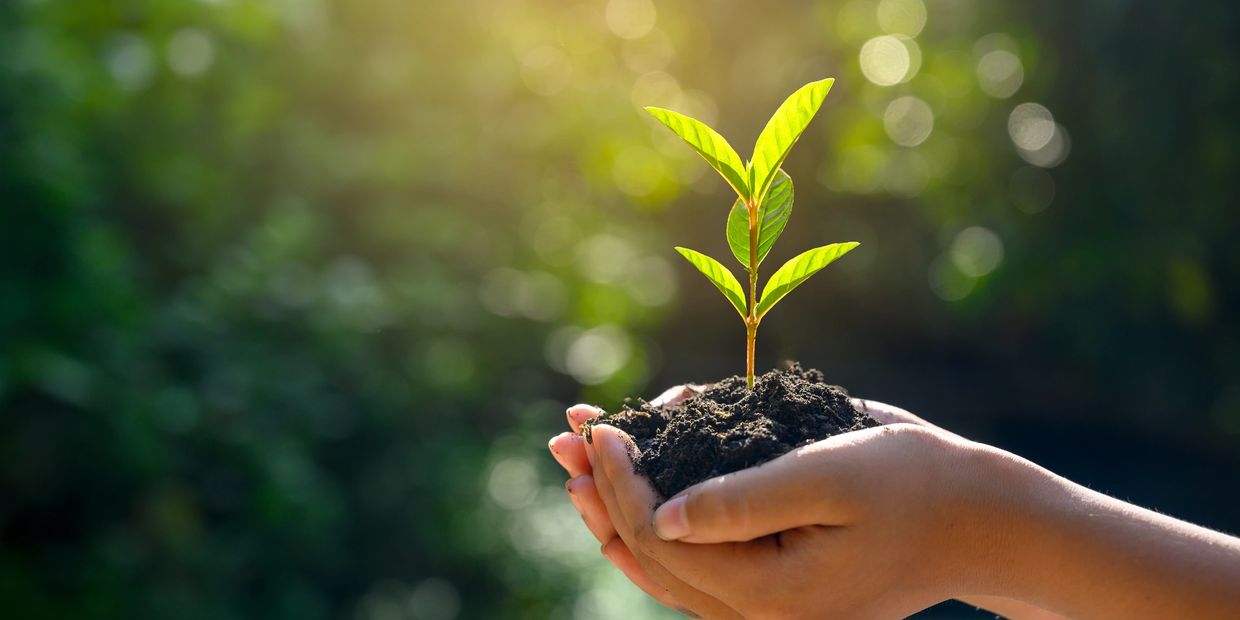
(797, 489)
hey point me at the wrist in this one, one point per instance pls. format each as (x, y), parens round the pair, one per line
(990, 507)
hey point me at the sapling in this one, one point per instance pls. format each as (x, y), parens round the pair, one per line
(761, 211)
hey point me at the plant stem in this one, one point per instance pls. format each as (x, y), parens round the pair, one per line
(751, 321)
(751, 335)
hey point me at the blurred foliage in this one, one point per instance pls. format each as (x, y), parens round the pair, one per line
(294, 291)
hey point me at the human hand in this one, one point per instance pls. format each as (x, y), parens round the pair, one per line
(644, 570)
(570, 451)
(979, 521)
(865, 524)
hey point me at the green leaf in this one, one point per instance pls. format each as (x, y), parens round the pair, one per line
(772, 217)
(783, 131)
(710, 145)
(719, 276)
(798, 270)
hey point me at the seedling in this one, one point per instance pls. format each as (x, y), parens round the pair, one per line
(761, 210)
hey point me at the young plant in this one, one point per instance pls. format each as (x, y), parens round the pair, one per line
(761, 210)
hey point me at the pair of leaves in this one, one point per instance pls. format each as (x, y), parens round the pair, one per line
(783, 131)
(772, 217)
(786, 278)
(762, 185)
(751, 181)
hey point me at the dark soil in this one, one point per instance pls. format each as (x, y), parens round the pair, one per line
(728, 427)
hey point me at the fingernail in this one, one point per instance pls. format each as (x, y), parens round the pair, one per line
(670, 522)
(589, 411)
(605, 548)
(555, 442)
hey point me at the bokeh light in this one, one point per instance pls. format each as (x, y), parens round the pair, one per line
(513, 483)
(908, 121)
(1031, 126)
(130, 61)
(947, 281)
(904, 17)
(886, 60)
(1050, 154)
(590, 356)
(190, 52)
(630, 19)
(1000, 73)
(1038, 138)
(976, 251)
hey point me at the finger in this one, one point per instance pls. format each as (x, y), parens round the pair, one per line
(798, 489)
(676, 395)
(569, 450)
(704, 567)
(619, 555)
(699, 602)
(585, 498)
(578, 414)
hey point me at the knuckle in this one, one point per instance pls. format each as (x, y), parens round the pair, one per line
(920, 440)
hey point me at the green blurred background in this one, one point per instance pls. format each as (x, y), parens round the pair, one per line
(293, 292)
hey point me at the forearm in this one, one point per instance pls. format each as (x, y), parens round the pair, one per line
(1082, 554)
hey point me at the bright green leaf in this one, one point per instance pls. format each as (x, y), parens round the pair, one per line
(783, 131)
(719, 276)
(798, 270)
(772, 217)
(709, 144)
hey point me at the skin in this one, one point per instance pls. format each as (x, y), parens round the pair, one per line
(884, 522)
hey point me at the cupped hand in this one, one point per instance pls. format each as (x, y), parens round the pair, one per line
(857, 525)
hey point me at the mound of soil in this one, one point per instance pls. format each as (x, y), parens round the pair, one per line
(728, 427)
